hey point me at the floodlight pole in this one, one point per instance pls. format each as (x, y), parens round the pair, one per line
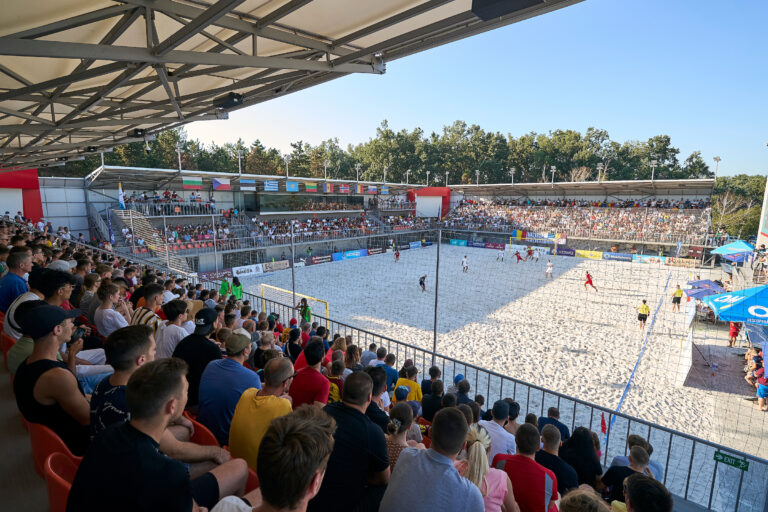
(385, 174)
(653, 169)
(215, 249)
(239, 164)
(287, 159)
(437, 282)
(293, 271)
(357, 168)
(446, 178)
(717, 164)
(553, 169)
(477, 176)
(427, 178)
(165, 240)
(325, 169)
(133, 233)
(406, 175)
(512, 174)
(178, 152)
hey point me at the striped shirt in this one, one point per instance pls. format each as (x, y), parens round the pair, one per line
(144, 316)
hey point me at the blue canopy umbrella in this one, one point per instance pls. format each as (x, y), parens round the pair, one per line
(750, 305)
(738, 257)
(739, 246)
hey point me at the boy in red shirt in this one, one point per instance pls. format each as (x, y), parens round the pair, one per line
(310, 386)
(535, 486)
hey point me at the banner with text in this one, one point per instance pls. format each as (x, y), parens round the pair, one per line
(462, 243)
(321, 259)
(359, 253)
(415, 245)
(592, 255)
(247, 271)
(680, 262)
(617, 256)
(647, 258)
(494, 245)
(472, 243)
(375, 250)
(563, 251)
(276, 265)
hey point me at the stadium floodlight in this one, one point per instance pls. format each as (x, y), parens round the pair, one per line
(357, 168)
(325, 169)
(385, 174)
(654, 163)
(287, 159)
(179, 149)
(427, 178)
(406, 175)
(477, 177)
(717, 164)
(599, 170)
(512, 174)
(446, 178)
(553, 169)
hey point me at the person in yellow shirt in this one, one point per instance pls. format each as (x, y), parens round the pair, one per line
(677, 297)
(410, 381)
(257, 408)
(643, 310)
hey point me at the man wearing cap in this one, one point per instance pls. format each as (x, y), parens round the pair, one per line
(197, 350)
(221, 385)
(46, 389)
(453, 388)
(501, 441)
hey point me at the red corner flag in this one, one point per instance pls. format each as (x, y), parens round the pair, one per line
(603, 426)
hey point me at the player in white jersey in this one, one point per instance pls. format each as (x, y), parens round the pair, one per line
(464, 264)
(550, 268)
(500, 256)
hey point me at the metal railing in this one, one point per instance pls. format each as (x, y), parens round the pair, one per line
(169, 208)
(690, 468)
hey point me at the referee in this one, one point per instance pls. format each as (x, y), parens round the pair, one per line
(643, 310)
(677, 296)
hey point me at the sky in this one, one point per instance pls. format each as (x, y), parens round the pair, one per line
(692, 69)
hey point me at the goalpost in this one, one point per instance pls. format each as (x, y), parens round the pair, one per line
(285, 297)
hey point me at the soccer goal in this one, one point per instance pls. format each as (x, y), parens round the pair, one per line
(285, 297)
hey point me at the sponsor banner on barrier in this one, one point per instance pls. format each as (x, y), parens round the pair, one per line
(472, 243)
(351, 255)
(494, 245)
(647, 258)
(247, 270)
(564, 251)
(695, 251)
(680, 262)
(375, 250)
(216, 276)
(400, 228)
(462, 243)
(321, 259)
(404, 247)
(337, 256)
(592, 255)
(617, 256)
(415, 245)
(276, 265)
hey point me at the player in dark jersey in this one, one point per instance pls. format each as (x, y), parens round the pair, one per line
(422, 282)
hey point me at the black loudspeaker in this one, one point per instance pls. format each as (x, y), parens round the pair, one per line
(490, 9)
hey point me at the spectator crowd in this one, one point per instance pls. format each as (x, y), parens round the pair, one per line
(183, 398)
(660, 221)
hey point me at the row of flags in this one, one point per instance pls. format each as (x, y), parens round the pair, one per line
(196, 183)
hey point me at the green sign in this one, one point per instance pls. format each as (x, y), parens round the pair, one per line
(730, 460)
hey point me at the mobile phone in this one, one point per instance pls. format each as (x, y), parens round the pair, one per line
(76, 336)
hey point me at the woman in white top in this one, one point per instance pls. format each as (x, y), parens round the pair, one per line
(113, 313)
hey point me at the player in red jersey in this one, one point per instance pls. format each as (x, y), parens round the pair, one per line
(589, 281)
(397, 255)
(519, 259)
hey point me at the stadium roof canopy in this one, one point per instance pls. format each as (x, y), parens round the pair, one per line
(80, 76)
(138, 178)
(647, 187)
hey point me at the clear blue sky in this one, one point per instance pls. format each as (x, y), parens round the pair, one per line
(693, 69)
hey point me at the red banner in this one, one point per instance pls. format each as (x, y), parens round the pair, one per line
(493, 245)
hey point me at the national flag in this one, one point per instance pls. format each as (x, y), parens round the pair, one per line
(291, 186)
(328, 188)
(344, 189)
(310, 187)
(221, 184)
(192, 183)
(248, 185)
(270, 186)
(385, 189)
(603, 426)
(120, 195)
(371, 189)
(518, 234)
(359, 189)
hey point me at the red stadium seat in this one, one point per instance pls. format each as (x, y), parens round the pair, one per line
(202, 435)
(45, 442)
(253, 481)
(60, 470)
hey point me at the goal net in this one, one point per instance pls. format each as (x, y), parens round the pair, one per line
(285, 297)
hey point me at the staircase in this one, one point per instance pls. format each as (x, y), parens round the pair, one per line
(374, 215)
(154, 244)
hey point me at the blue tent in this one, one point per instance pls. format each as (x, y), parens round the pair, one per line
(750, 305)
(739, 246)
(738, 257)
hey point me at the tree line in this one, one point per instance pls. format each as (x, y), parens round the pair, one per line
(464, 153)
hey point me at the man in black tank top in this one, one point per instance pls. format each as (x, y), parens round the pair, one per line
(46, 389)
